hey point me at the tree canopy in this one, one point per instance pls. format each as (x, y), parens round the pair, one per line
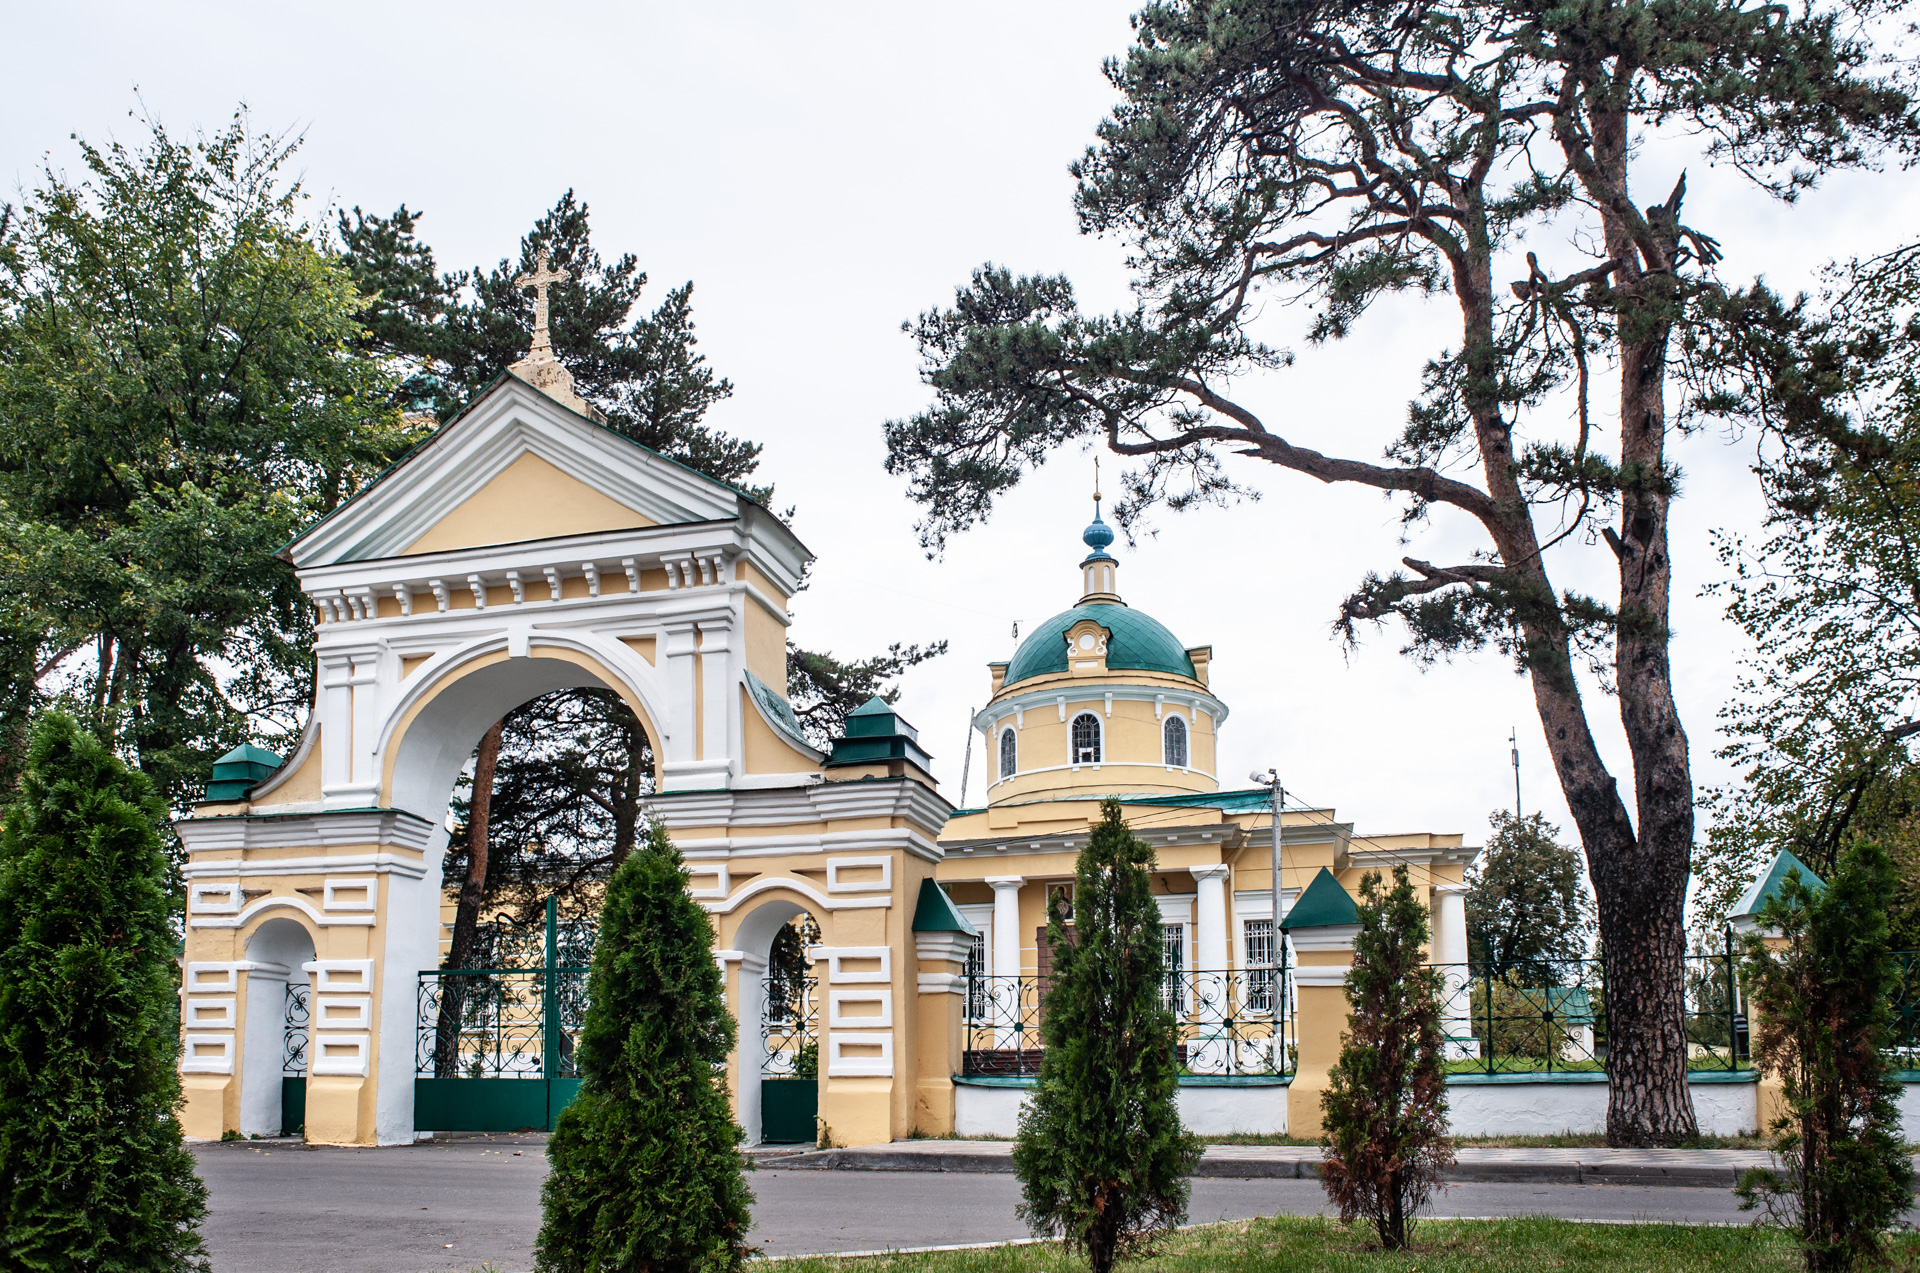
(1527, 905)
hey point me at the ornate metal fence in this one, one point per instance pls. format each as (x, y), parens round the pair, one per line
(1551, 1016)
(1225, 1023)
(1906, 1012)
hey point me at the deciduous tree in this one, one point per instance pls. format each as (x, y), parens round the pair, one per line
(1527, 905)
(1315, 156)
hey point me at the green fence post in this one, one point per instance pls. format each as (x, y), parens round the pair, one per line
(549, 1007)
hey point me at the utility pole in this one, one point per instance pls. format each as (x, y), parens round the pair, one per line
(966, 766)
(1513, 737)
(1271, 780)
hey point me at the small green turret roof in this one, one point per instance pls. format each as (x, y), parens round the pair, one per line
(238, 770)
(936, 913)
(1768, 884)
(1324, 905)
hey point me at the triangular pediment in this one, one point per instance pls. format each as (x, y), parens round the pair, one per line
(515, 466)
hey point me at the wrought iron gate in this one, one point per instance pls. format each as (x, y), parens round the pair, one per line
(789, 1022)
(495, 1045)
(293, 1062)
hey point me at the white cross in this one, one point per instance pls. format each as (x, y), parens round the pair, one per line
(539, 280)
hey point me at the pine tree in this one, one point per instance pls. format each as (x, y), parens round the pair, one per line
(1385, 1107)
(1101, 1155)
(1825, 1007)
(645, 1171)
(93, 1174)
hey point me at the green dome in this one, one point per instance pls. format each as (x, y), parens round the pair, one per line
(1138, 641)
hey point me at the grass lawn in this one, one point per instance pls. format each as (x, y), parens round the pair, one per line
(1305, 1245)
(1562, 1140)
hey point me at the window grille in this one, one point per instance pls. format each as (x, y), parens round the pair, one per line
(1176, 738)
(1086, 739)
(977, 978)
(1009, 754)
(1175, 938)
(1258, 936)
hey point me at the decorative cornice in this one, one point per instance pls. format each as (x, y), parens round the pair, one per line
(388, 828)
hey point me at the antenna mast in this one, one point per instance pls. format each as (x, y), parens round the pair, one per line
(966, 766)
(1513, 738)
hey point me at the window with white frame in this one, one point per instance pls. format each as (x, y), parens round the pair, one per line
(1175, 735)
(1009, 754)
(1257, 936)
(977, 978)
(1175, 938)
(1085, 739)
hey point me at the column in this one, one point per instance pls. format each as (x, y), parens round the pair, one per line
(1209, 1051)
(681, 727)
(1326, 953)
(1003, 980)
(1450, 951)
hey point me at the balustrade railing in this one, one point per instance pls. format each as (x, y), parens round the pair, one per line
(1225, 1023)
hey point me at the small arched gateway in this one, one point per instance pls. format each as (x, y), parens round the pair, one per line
(526, 548)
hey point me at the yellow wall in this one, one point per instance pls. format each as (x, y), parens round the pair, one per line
(536, 501)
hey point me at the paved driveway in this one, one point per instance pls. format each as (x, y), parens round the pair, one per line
(460, 1204)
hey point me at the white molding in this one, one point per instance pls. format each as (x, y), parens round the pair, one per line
(941, 983)
(1320, 974)
(387, 828)
(723, 880)
(763, 883)
(371, 883)
(1337, 937)
(840, 1066)
(278, 901)
(837, 1020)
(197, 1005)
(318, 1062)
(836, 976)
(943, 946)
(1176, 908)
(219, 898)
(232, 968)
(362, 1018)
(193, 1063)
(328, 971)
(837, 865)
(378, 863)
(1092, 694)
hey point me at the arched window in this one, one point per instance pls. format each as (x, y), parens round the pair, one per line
(1175, 734)
(1086, 739)
(1009, 754)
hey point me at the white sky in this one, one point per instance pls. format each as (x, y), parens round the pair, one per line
(823, 172)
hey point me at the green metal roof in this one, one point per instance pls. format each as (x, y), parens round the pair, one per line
(935, 913)
(876, 733)
(1770, 881)
(1324, 905)
(238, 770)
(1138, 641)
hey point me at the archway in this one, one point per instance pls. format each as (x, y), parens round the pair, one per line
(767, 1073)
(276, 1039)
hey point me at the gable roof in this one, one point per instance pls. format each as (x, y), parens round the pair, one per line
(1768, 883)
(1324, 905)
(506, 421)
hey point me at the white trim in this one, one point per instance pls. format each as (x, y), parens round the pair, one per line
(362, 1018)
(318, 1062)
(379, 863)
(837, 865)
(192, 1063)
(762, 883)
(282, 900)
(1176, 908)
(836, 1019)
(327, 971)
(227, 1004)
(1320, 974)
(1330, 937)
(837, 976)
(371, 883)
(223, 898)
(722, 880)
(840, 1066)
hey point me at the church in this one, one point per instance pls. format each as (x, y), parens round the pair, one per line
(526, 548)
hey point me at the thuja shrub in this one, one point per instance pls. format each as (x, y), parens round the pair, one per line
(644, 1169)
(93, 1171)
(1102, 1158)
(1824, 1003)
(1384, 1113)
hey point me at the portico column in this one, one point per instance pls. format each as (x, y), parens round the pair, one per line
(1450, 951)
(1208, 1053)
(1004, 976)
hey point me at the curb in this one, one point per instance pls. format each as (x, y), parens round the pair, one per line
(1295, 1167)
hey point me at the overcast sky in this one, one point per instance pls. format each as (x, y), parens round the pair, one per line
(823, 172)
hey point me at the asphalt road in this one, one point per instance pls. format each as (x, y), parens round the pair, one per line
(461, 1204)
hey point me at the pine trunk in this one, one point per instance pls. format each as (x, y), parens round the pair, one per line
(466, 912)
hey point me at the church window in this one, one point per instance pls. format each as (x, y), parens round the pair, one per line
(1086, 739)
(1258, 935)
(1176, 740)
(977, 978)
(1009, 754)
(1175, 938)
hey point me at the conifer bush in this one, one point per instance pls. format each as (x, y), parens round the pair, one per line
(1824, 1004)
(93, 1171)
(644, 1169)
(1102, 1158)
(1384, 1112)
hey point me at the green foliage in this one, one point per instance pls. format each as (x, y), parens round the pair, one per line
(1101, 1155)
(179, 393)
(824, 690)
(1825, 1009)
(1527, 905)
(645, 1166)
(93, 1174)
(1385, 1107)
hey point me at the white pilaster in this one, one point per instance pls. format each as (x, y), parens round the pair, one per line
(1210, 917)
(678, 650)
(718, 690)
(1005, 970)
(1208, 1051)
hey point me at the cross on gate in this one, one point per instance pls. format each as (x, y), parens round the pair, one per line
(539, 279)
